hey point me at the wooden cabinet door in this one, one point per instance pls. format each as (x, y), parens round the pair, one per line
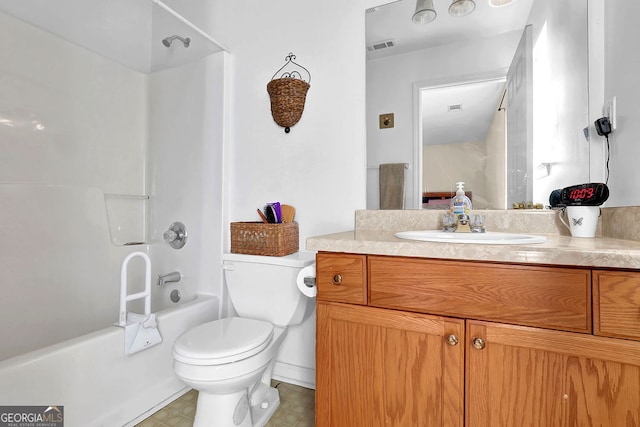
(379, 367)
(536, 377)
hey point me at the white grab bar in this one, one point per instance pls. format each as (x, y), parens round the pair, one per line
(146, 294)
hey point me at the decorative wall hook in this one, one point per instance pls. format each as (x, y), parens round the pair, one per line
(288, 91)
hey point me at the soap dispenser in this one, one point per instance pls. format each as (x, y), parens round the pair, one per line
(460, 204)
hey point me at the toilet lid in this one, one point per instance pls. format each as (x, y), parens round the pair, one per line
(223, 341)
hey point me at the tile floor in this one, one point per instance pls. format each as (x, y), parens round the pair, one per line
(297, 409)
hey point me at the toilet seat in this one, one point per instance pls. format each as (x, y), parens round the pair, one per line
(223, 341)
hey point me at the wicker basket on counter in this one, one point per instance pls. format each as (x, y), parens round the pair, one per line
(258, 238)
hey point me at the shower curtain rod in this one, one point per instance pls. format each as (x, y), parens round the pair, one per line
(189, 24)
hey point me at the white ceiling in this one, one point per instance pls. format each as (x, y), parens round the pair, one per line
(393, 21)
(479, 101)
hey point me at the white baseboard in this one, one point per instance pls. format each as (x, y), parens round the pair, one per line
(292, 374)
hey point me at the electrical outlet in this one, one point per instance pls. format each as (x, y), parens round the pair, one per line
(609, 111)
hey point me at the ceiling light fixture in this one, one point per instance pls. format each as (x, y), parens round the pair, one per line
(499, 3)
(461, 7)
(424, 13)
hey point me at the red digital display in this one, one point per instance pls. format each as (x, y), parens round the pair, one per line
(582, 193)
(591, 194)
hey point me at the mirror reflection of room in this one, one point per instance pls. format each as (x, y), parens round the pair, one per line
(497, 98)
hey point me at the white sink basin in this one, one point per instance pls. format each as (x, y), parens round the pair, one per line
(488, 238)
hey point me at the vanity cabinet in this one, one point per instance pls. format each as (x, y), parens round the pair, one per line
(521, 376)
(454, 343)
(379, 367)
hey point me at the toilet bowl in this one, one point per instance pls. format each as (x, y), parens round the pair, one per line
(230, 361)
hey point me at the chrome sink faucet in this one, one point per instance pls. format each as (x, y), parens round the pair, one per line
(174, 276)
(463, 225)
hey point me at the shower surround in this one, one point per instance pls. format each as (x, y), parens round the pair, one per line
(98, 159)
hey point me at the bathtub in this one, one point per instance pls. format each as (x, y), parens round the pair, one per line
(93, 379)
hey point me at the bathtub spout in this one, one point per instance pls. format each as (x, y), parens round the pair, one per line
(174, 276)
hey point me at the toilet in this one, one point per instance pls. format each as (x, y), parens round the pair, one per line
(230, 361)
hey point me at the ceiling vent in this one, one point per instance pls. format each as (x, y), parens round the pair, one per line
(455, 107)
(381, 45)
(372, 9)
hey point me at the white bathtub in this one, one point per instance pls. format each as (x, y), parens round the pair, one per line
(93, 379)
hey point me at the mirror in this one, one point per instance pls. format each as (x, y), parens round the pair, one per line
(534, 56)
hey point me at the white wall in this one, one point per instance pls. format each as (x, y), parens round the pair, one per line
(319, 166)
(466, 162)
(496, 184)
(477, 164)
(621, 68)
(560, 97)
(390, 90)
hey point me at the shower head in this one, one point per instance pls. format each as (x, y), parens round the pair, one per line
(168, 40)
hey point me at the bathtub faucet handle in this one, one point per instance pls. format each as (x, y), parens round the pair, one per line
(176, 235)
(174, 276)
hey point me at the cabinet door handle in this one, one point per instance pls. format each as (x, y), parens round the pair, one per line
(337, 279)
(478, 343)
(452, 340)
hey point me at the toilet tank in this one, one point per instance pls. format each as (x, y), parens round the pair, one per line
(264, 287)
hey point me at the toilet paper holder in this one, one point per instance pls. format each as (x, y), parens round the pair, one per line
(306, 281)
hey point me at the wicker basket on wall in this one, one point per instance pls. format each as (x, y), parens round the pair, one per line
(288, 96)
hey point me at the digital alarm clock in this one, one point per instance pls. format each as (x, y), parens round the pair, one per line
(591, 194)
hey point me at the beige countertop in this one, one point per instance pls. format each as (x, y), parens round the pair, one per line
(558, 250)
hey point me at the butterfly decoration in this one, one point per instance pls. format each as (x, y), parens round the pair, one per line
(577, 221)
